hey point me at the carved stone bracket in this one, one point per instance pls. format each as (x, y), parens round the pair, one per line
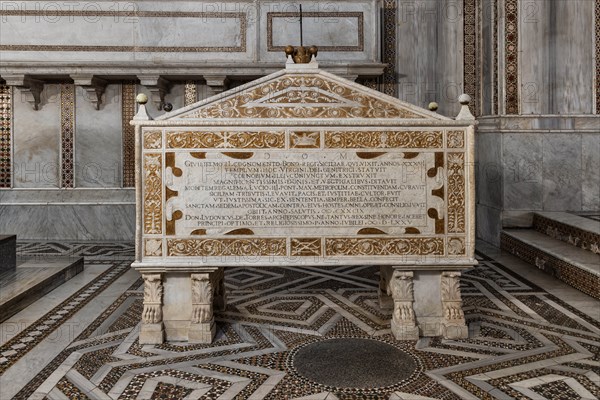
(158, 87)
(216, 83)
(202, 324)
(30, 88)
(400, 287)
(453, 322)
(94, 87)
(152, 331)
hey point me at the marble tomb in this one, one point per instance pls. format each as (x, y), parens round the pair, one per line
(303, 168)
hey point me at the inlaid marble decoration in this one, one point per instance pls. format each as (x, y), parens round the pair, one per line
(495, 109)
(390, 86)
(511, 50)
(5, 136)
(471, 55)
(67, 135)
(128, 111)
(191, 93)
(597, 25)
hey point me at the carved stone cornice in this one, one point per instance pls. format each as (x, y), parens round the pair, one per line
(94, 87)
(31, 88)
(216, 83)
(158, 87)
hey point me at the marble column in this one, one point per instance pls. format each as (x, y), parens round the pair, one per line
(453, 321)
(152, 331)
(403, 318)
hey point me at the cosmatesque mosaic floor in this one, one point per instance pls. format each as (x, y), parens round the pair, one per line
(81, 340)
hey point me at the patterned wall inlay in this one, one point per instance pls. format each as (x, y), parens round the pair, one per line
(389, 48)
(191, 93)
(226, 247)
(153, 193)
(287, 97)
(383, 246)
(328, 15)
(213, 140)
(567, 233)
(511, 57)
(51, 14)
(470, 54)
(495, 109)
(5, 136)
(389, 139)
(456, 192)
(67, 134)
(153, 140)
(128, 133)
(597, 19)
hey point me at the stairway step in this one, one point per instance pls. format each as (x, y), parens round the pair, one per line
(570, 228)
(574, 266)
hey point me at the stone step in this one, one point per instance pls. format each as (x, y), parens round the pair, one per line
(574, 266)
(570, 228)
(32, 279)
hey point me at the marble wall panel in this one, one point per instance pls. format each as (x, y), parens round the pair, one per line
(489, 169)
(552, 35)
(522, 161)
(489, 223)
(69, 222)
(562, 172)
(590, 168)
(430, 36)
(37, 140)
(98, 144)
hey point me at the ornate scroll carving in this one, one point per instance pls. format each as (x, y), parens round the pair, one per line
(153, 291)
(456, 246)
(226, 247)
(389, 139)
(383, 246)
(152, 193)
(456, 139)
(312, 97)
(153, 140)
(305, 246)
(453, 320)
(202, 298)
(225, 140)
(456, 192)
(400, 288)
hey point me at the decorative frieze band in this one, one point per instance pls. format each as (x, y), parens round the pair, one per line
(67, 134)
(390, 86)
(471, 54)
(511, 56)
(597, 29)
(128, 132)
(5, 136)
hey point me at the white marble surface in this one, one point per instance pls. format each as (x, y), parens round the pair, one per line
(562, 172)
(36, 138)
(523, 172)
(98, 142)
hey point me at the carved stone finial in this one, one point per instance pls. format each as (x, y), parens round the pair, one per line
(433, 106)
(141, 98)
(465, 113)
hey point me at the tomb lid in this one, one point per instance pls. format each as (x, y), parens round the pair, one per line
(303, 93)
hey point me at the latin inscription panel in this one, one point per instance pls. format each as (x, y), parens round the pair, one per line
(312, 192)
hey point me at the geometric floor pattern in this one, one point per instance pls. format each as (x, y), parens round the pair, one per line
(523, 342)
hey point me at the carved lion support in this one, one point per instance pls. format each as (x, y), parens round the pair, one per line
(400, 287)
(152, 330)
(453, 321)
(202, 324)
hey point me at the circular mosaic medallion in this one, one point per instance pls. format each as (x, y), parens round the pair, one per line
(353, 363)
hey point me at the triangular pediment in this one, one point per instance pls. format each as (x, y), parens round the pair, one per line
(301, 94)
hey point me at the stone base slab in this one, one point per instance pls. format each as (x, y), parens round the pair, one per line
(202, 333)
(152, 334)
